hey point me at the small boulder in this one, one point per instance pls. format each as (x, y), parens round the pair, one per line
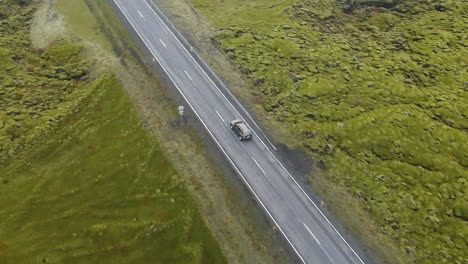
(460, 210)
(293, 77)
(440, 7)
(322, 165)
(259, 81)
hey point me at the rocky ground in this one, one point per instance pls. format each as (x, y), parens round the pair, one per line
(376, 92)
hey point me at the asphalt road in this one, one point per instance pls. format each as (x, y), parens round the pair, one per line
(311, 236)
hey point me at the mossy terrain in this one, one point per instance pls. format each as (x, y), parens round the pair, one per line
(81, 179)
(376, 91)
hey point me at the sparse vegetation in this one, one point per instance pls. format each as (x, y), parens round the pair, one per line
(81, 179)
(377, 92)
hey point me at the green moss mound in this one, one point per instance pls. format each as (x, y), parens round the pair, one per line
(63, 53)
(377, 90)
(81, 180)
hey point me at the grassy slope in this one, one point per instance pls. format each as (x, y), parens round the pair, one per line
(84, 182)
(89, 20)
(82, 22)
(380, 97)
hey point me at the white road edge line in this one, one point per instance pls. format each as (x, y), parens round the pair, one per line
(214, 138)
(186, 73)
(258, 165)
(162, 42)
(140, 13)
(220, 116)
(199, 66)
(311, 233)
(302, 190)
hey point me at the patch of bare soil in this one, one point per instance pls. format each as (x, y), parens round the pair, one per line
(48, 25)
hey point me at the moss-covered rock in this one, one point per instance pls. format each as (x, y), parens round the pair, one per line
(460, 210)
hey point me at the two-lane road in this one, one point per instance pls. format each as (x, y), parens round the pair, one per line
(312, 237)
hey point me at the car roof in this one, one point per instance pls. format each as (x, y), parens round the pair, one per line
(243, 127)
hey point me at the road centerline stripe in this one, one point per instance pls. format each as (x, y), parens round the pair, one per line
(310, 232)
(140, 13)
(220, 116)
(162, 42)
(186, 73)
(258, 165)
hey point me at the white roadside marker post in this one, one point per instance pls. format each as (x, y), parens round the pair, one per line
(181, 114)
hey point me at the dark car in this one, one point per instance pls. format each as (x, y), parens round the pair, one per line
(241, 129)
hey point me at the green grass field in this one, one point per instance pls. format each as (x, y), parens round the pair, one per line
(100, 191)
(81, 179)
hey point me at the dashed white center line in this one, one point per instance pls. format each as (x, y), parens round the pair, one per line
(259, 166)
(186, 73)
(311, 233)
(162, 42)
(220, 116)
(140, 14)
